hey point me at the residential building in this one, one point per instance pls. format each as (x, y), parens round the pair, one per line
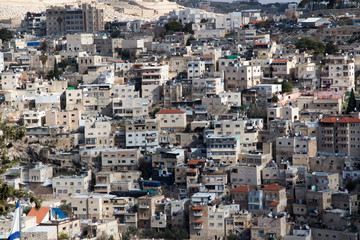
(64, 186)
(62, 21)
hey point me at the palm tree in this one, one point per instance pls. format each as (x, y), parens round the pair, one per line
(60, 20)
(43, 58)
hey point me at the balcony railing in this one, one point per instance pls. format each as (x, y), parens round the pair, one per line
(198, 226)
(144, 207)
(198, 213)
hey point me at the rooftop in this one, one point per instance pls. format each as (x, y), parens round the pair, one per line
(170, 111)
(273, 187)
(341, 119)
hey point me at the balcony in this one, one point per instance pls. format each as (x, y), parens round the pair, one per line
(151, 136)
(198, 226)
(198, 213)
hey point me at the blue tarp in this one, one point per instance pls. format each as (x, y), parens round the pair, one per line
(58, 213)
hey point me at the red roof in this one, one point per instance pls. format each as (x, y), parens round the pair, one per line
(170, 111)
(279, 60)
(39, 214)
(273, 187)
(341, 120)
(197, 208)
(195, 161)
(273, 204)
(207, 57)
(198, 221)
(258, 43)
(254, 22)
(242, 189)
(191, 171)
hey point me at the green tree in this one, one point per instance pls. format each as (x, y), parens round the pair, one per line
(204, 20)
(64, 63)
(116, 34)
(303, 3)
(274, 99)
(232, 236)
(43, 58)
(351, 185)
(307, 43)
(351, 102)
(174, 26)
(5, 34)
(63, 235)
(286, 86)
(156, 110)
(56, 71)
(188, 28)
(331, 48)
(10, 135)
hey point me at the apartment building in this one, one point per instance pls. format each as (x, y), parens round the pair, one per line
(265, 92)
(34, 118)
(345, 201)
(206, 87)
(305, 72)
(34, 23)
(269, 228)
(215, 181)
(259, 158)
(242, 75)
(74, 98)
(239, 223)
(284, 112)
(251, 36)
(98, 134)
(64, 186)
(207, 221)
(164, 161)
(69, 119)
(48, 102)
(275, 199)
(338, 73)
(172, 93)
(231, 21)
(332, 163)
(240, 195)
(62, 21)
(130, 108)
(223, 149)
(246, 131)
(339, 135)
(10, 80)
(95, 99)
(107, 46)
(147, 209)
(142, 134)
(171, 119)
(264, 50)
(245, 175)
(188, 15)
(120, 159)
(93, 206)
(83, 42)
(287, 147)
(323, 181)
(179, 213)
(195, 69)
(282, 68)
